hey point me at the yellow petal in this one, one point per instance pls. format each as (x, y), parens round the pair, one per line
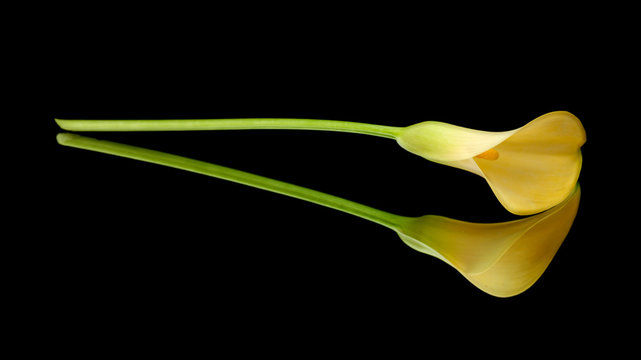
(529, 169)
(502, 259)
(538, 166)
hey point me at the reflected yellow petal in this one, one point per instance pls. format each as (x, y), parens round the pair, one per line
(502, 259)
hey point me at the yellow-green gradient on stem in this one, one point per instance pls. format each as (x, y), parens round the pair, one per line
(502, 259)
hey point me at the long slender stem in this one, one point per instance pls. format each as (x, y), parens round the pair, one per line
(229, 124)
(386, 219)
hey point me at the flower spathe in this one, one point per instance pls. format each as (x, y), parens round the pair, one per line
(530, 169)
(502, 259)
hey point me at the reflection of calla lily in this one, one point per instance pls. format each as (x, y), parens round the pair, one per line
(502, 259)
(530, 169)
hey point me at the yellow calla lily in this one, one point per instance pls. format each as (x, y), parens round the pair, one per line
(529, 169)
(502, 259)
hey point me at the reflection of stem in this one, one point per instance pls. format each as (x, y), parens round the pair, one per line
(229, 124)
(386, 219)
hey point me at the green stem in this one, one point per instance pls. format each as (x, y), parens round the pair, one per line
(229, 124)
(386, 219)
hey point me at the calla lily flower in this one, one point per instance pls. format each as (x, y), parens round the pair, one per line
(529, 169)
(502, 259)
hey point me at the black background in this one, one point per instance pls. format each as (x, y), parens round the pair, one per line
(141, 251)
